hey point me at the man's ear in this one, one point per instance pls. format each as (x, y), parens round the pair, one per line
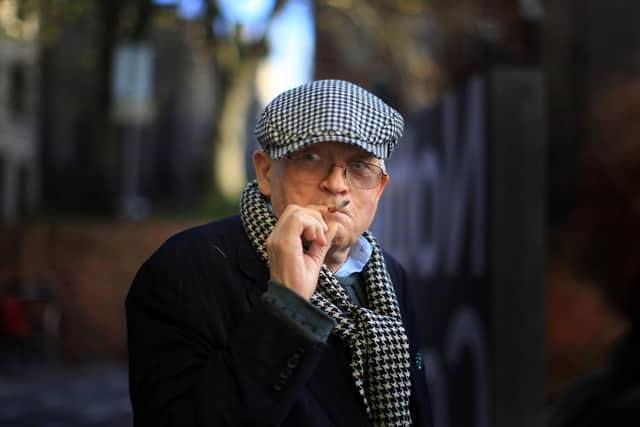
(262, 164)
(383, 184)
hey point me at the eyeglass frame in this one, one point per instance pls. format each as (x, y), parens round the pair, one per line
(295, 156)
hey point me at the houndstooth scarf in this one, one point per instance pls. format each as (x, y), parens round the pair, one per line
(375, 335)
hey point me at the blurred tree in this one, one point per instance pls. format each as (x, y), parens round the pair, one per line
(18, 19)
(237, 58)
(425, 46)
(80, 143)
(79, 154)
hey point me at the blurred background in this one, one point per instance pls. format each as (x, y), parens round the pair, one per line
(125, 121)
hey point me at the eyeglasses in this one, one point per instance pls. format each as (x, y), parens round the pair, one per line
(312, 167)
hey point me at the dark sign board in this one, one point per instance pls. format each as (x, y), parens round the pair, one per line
(436, 218)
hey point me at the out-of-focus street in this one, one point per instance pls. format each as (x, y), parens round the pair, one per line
(95, 395)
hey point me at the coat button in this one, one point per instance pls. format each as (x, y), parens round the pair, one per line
(419, 361)
(285, 374)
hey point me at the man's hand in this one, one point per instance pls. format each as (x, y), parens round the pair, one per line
(297, 247)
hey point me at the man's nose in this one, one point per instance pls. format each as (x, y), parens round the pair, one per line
(336, 179)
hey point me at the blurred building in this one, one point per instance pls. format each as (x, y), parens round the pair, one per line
(176, 143)
(94, 157)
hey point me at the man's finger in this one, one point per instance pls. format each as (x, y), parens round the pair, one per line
(318, 250)
(314, 231)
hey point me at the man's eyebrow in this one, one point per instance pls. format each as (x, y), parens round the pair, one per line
(366, 157)
(308, 149)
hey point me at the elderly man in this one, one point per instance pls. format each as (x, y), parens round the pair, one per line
(290, 313)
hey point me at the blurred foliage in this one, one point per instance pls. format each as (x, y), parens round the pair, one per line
(429, 46)
(19, 19)
(79, 40)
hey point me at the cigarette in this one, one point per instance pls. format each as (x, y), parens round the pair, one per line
(339, 206)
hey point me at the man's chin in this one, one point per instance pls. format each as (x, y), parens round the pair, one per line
(340, 243)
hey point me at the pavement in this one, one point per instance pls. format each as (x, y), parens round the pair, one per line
(95, 395)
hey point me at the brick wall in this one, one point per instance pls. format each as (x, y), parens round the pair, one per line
(88, 267)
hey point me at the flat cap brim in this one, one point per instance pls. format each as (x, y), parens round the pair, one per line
(328, 110)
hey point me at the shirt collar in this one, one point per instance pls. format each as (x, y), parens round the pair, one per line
(358, 257)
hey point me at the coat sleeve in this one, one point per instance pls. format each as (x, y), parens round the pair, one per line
(201, 355)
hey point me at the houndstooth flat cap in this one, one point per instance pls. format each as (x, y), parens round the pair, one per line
(328, 110)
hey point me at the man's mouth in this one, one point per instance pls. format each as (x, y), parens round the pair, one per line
(339, 206)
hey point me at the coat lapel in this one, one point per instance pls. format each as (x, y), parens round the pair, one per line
(253, 268)
(332, 385)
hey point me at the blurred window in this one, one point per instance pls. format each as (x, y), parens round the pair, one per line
(17, 89)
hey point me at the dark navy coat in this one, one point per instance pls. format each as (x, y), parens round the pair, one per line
(206, 350)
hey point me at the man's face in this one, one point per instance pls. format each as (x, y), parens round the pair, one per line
(285, 183)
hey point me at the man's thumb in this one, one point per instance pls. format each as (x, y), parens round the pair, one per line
(318, 251)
